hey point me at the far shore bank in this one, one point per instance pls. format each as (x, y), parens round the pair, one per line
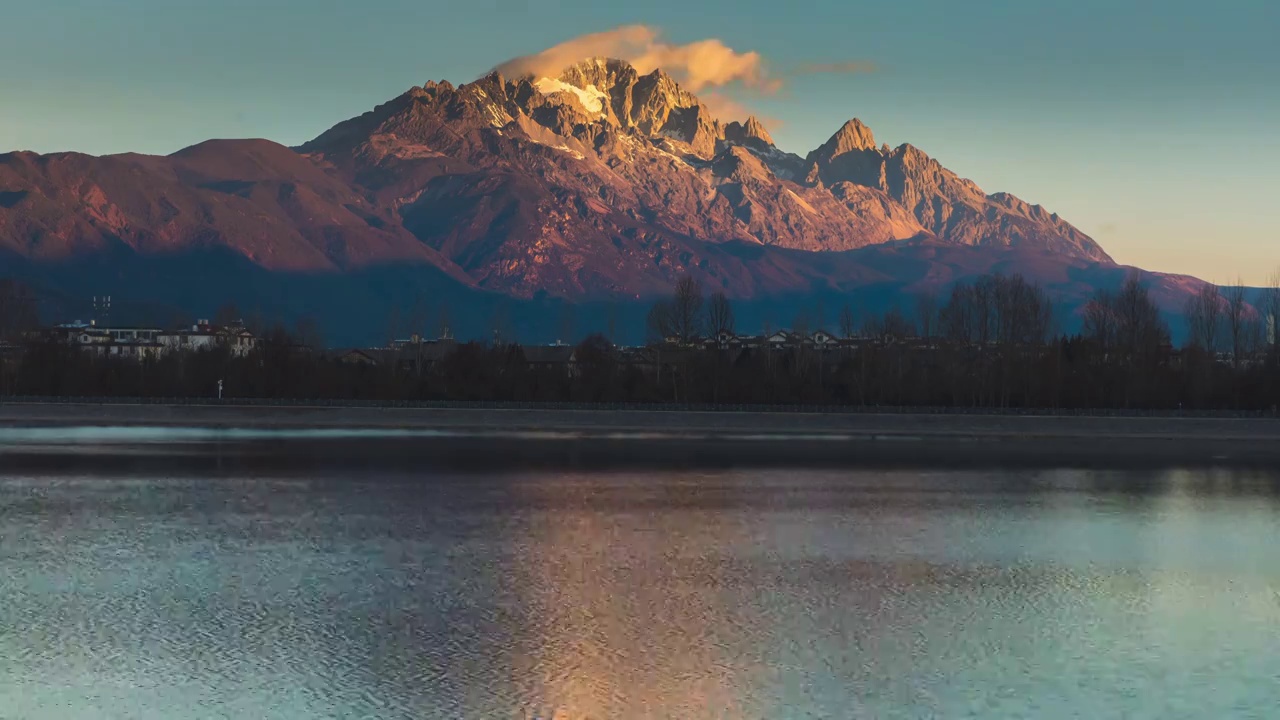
(719, 437)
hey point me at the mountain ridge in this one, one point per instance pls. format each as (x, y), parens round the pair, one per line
(610, 123)
(600, 184)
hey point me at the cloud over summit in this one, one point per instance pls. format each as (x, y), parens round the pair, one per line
(702, 66)
(698, 65)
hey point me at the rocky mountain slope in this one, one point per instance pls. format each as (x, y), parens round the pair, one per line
(259, 199)
(604, 181)
(600, 184)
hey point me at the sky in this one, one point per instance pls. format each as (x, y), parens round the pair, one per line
(1152, 126)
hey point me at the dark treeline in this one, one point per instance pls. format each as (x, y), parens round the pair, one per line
(991, 343)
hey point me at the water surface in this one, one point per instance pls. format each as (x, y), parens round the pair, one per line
(420, 593)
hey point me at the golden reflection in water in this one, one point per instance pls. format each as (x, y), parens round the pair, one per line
(626, 619)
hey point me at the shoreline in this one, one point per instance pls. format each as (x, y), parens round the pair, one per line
(607, 420)
(514, 438)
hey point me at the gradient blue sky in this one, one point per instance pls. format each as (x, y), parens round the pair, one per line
(1153, 126)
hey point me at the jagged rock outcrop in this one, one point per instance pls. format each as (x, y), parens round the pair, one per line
(853, 136)
(752, 133)
(953, 208)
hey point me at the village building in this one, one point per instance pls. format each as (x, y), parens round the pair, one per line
(150, 343)
(361, 357)
(204, 335)
(552, 356)
(417, 354)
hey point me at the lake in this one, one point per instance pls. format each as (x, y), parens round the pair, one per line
(198, 585)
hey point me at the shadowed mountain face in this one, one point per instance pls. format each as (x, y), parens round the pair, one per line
(602, 185)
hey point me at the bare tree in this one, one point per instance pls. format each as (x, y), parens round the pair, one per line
(1006, 310)
(927, 314)
(1141, 331)
(801, 325)
(256, 323)
(307, 333)
(848, 322)
(611, 322)
(895, 325)
(17, 310)
(800, 329)
(659, 323)
(1127, 327)
(568, 324)
(228, 314)
(1236, 319)
(1100, 319)
(444, 324)
(1204, 314)
(393, 325)
(1255, 333)
(873, 327)
(418, 317)
(1127, 322)
(1040, 312)
(686, 310)
(957, 318)
(719, 315)
(1021, 313)
(983, 304)
(500, 324)
(1271, 309)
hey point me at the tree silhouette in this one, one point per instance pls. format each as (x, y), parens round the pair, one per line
(719, 315)
(1204, 314)
(1237, 323)
(679, 317)
(848, 322)
(17, 310)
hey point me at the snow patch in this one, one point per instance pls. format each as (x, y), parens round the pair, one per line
(497, 116)
(571, 151)
(561, 148)
(592, 98)
(658, 149)
(776, 160)
(802, 202)
(776, 154)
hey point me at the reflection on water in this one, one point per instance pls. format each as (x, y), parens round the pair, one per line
(658, 595)
(74, 435)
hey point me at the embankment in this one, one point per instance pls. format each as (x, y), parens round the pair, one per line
(603, 437)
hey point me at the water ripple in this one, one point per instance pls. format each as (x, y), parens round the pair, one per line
(649, 596)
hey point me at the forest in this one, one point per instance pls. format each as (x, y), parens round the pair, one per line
(987, 344)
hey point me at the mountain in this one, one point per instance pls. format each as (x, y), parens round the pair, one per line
(616, 174)
(948, 206)
(600, 185)
(256, 198)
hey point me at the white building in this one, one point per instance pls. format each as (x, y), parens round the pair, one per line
(207, 336)
(137, 335)
(151, 343)
(824, 340)
(91, 333)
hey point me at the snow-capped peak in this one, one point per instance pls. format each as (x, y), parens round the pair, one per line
(591, 97)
